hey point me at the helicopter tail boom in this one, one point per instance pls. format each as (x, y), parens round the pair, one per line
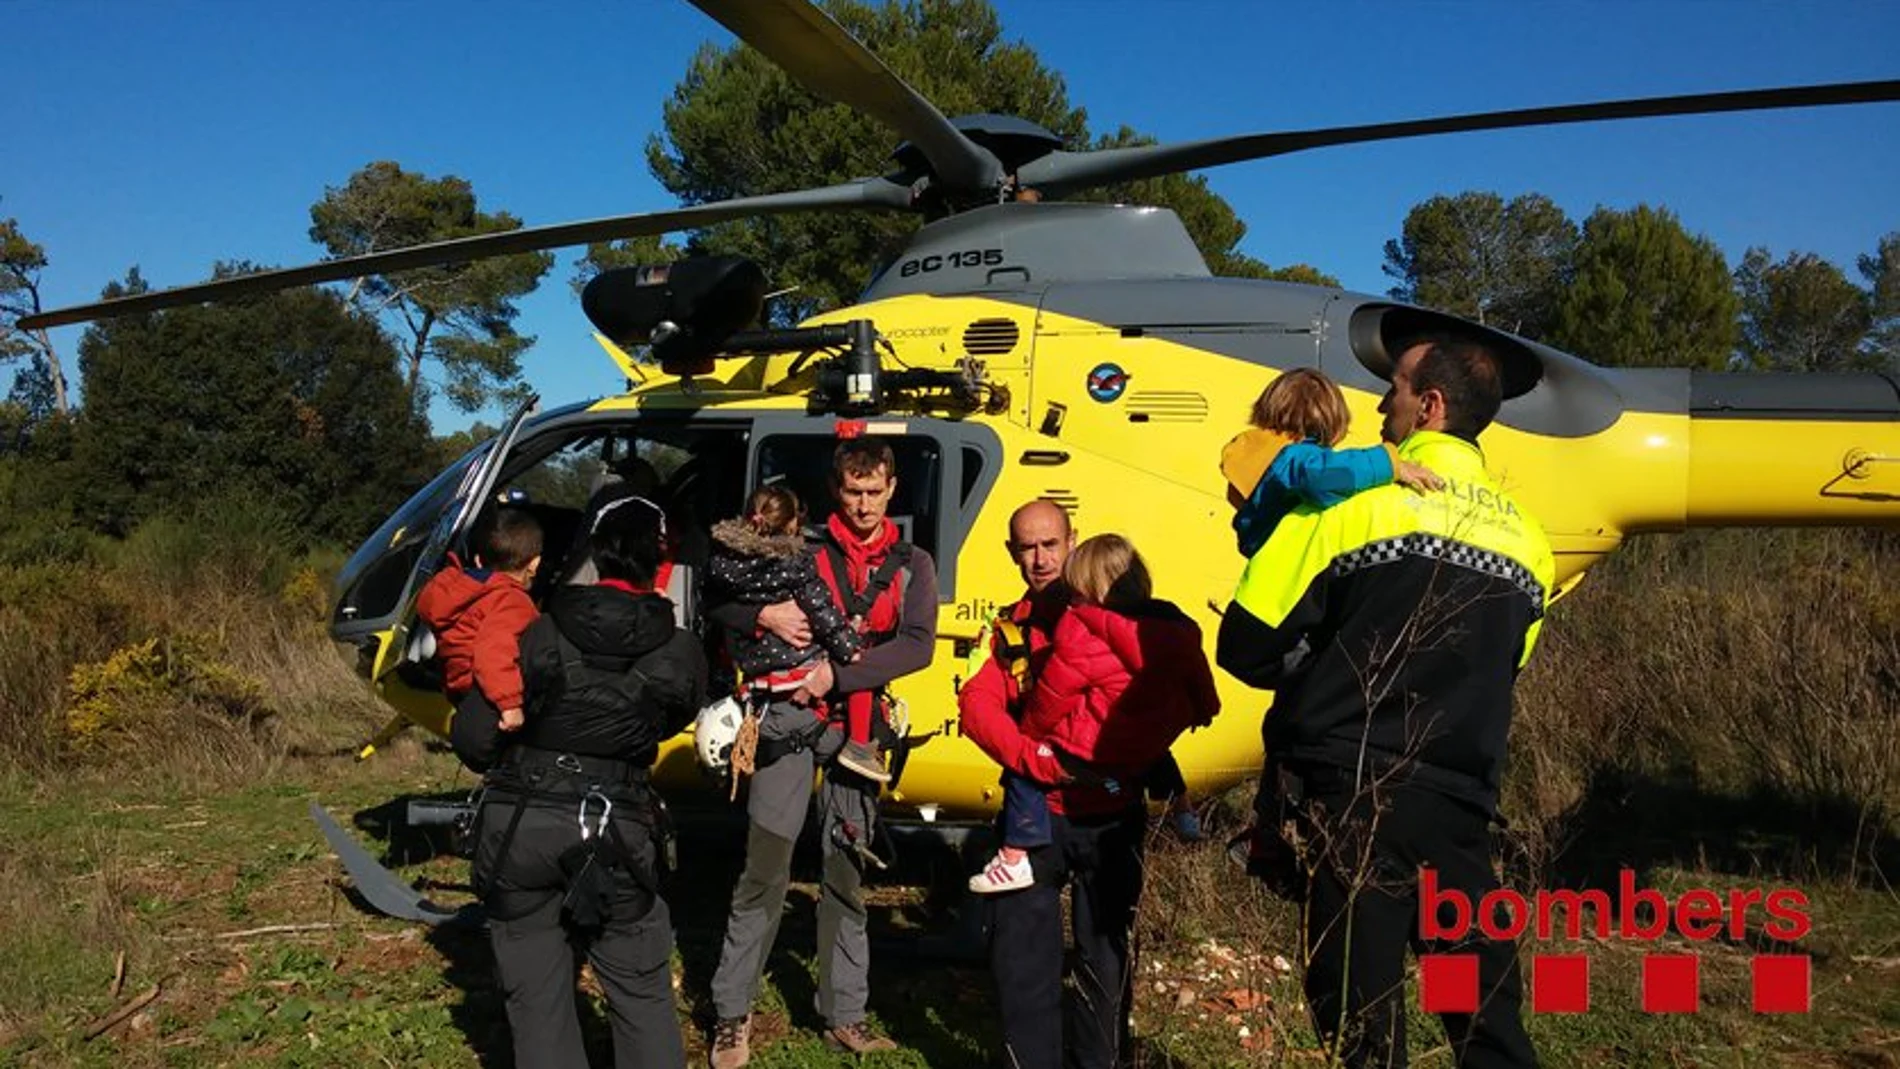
(1801, 449)
(1774, 449)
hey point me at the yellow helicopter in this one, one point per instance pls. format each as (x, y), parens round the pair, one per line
(1021, 347)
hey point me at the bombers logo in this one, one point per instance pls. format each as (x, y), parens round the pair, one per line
(1106, 382)
(1560, 983)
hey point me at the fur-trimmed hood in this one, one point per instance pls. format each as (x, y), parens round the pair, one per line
(738, 536)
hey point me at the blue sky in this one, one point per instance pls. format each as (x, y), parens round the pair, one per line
(173, 133)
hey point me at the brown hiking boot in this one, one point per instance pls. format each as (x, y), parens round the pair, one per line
(731, 1042)
(857, 1038)
(864, 759)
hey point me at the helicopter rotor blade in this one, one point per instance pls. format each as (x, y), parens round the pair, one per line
(865, 193)
(822, 56)
(1061, 172)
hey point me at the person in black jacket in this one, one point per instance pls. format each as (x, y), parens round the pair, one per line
(763, 559)
(1391, 629)
(570, 843)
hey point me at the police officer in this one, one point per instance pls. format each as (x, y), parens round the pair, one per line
(570, 850)
(1392, 627)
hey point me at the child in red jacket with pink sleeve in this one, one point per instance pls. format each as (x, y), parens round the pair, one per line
(479, 613)
(1125, 675)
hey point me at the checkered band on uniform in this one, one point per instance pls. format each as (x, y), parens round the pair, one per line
(1449, 551)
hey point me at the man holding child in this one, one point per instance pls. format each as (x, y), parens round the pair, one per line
(1391, 627)
(1088, 679)
(863, 559)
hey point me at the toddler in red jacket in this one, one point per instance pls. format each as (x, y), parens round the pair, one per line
(478, 613)
(1124, 676)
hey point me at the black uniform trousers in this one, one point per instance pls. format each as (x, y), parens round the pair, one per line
(1363, 849)
(535, 940)
(1100, 860)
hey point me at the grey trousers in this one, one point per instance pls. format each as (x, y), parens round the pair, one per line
(780, 797)
(535, 947)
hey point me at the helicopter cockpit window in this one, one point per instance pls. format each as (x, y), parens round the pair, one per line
(561, 479)
(374, 578)
(802, 462)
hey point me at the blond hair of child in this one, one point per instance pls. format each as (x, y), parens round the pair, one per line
(1303, 403)
(1106, 570)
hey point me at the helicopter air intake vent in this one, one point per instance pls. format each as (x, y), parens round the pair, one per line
(1166, 406)
(990, 337)
(1068, 499)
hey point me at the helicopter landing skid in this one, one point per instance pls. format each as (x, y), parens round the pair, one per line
(962, 939)
(381, 888)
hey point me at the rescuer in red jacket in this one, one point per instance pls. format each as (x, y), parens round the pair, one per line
(1096, 836)
(1123, 678)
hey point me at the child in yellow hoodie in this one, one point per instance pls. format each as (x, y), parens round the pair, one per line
(1287, 459)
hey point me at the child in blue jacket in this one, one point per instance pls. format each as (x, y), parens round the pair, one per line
(1288, 458)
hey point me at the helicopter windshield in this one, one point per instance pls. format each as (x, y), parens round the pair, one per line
(372, 580)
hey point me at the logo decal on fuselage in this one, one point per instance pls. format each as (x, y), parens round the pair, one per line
(1106, 382)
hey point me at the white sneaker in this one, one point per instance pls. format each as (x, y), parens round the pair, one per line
(1000, 875)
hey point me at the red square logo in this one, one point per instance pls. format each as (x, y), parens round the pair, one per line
(1560, 983)
(1671, 983)
(1782, 983)
(1448, 983)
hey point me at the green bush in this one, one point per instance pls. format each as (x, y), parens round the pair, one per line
(187, 638)
(222, 545)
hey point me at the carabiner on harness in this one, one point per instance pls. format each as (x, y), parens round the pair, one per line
(589, 864)
(606, 812)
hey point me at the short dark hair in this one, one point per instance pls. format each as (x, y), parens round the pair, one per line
(1468, 376)
(860, 458)
(508, 538)
(626, 539)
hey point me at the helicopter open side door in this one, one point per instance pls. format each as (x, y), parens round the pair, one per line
(945, 470)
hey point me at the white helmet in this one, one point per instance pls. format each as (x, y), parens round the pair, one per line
(714, 732)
